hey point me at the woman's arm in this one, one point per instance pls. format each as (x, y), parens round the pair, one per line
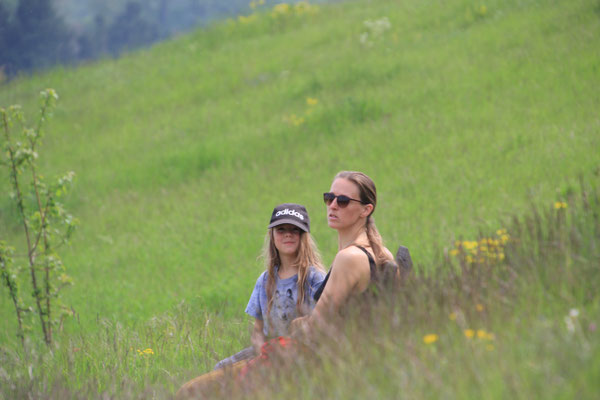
(350, 274)
(258, 337)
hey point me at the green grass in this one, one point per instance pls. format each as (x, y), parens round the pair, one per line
(462, 118)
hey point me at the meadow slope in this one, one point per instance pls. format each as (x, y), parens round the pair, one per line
(462, 113)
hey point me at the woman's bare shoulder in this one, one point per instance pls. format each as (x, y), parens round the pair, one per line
(351, 257)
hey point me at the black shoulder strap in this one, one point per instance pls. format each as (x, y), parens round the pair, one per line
(319, 291)
(371, 261)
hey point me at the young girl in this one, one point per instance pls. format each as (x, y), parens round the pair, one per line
(285, 290)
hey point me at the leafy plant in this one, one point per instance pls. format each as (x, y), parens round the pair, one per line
(46, 223)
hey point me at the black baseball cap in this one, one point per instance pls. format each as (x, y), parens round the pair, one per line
(290, 213)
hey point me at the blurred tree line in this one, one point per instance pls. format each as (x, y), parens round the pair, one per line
(36, 34)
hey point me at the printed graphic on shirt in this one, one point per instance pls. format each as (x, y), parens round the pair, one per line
(283, 312)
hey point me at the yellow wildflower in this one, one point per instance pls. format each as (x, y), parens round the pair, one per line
(280, 9)
(454, 252)
(481, 334)
(301, 7)
(246, 20)
(293, 119)
(452, 316)
(469, 333)
(430, 338)
(479, 307)
(469, 245)
(255, 3)
(311, 101)
(560, 204)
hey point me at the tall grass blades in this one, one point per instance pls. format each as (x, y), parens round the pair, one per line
(525, 326)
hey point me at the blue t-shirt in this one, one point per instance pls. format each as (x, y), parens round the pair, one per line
(283, 310)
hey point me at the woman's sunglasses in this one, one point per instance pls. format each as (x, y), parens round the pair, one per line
(342, 201)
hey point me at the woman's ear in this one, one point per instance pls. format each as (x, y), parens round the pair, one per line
(367, 210)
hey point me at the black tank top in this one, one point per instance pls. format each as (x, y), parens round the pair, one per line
(319, 291)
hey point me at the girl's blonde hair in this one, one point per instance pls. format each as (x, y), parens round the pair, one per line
(308, 255)
(368, 195)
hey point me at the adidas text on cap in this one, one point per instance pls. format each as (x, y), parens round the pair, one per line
(290, 213)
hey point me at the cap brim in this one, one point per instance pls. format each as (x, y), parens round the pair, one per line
(288, 221)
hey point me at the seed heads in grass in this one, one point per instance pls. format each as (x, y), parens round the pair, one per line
(571, 319)
(375, 30)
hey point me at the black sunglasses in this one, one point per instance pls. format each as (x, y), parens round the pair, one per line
(342, 200)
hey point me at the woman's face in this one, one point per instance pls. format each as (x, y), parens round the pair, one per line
(287, 239)
(338, 217)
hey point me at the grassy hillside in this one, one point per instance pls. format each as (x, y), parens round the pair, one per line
(463, 113)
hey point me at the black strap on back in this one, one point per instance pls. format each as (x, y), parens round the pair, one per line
(319, 291)
(372, 264)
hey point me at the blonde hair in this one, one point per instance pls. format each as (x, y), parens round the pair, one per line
(308, 255)
(368, 195)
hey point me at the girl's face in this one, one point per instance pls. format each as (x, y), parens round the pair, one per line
(338, 217)
(287, 239)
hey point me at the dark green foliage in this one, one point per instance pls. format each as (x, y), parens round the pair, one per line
(33, 36)
(36, 38)
(130, 30)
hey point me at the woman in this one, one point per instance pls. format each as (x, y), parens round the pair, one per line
(362, 259)
(283, 292)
